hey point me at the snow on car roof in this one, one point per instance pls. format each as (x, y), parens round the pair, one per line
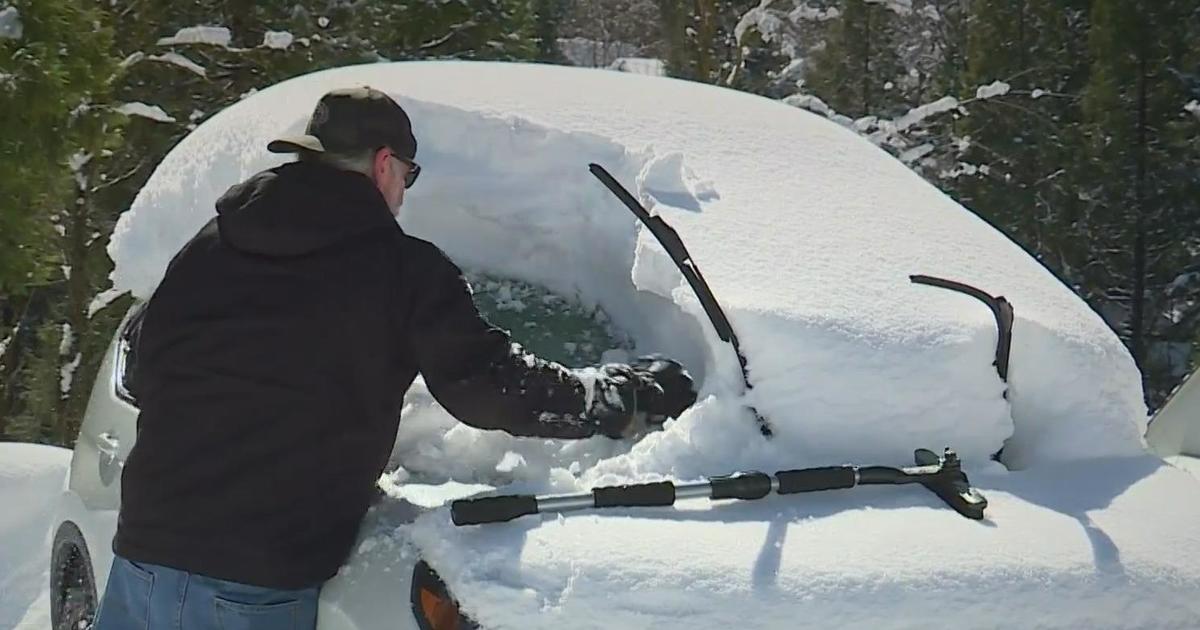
(807, 234)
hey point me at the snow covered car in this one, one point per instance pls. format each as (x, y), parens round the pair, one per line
(808, 235)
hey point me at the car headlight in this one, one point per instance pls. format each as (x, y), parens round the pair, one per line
(432, 604)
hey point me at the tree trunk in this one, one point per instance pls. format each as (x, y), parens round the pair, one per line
(1138, 306)
(866, 61)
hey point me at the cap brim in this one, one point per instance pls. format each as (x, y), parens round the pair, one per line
(296, 144)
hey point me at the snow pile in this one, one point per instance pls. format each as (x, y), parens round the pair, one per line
(31, 479)
(211, 35)
(279, 40)
(153, 112)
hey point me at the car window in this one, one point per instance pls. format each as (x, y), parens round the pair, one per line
(552, 326)
(126, 368)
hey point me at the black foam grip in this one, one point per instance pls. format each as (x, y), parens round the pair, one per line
(492, 509)
(661, 493)
(815, 479)
(742, 485)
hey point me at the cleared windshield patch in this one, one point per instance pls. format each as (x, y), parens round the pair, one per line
(549, 325)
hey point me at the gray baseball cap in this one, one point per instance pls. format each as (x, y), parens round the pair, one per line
(353, 119)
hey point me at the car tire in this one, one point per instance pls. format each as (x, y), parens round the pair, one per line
(72, 581)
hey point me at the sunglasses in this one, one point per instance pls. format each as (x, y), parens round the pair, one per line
(414, 170)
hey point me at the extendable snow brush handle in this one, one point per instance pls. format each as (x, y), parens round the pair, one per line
(941, 475)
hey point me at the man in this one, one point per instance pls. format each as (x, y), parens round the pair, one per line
(273, 361)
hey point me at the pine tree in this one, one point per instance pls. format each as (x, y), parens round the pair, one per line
(860, 67)
(548, 14)
(56, 72)
(98, 159)
(699, 37)
(1143, 170)
(1026, 142)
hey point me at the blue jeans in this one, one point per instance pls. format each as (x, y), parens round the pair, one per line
(142, 596)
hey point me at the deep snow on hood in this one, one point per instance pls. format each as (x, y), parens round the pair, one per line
(806, 233)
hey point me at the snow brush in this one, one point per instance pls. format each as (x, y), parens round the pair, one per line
(670, 240)
(941, 475)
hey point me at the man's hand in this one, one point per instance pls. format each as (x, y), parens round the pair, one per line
(651, 389)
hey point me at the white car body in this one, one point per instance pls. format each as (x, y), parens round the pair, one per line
(1088, 529)
(1175, 430)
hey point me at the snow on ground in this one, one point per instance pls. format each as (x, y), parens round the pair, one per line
(641, 65)
(807, 234)
(31, 480)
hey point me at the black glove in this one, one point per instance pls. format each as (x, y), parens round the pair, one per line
(650, 389)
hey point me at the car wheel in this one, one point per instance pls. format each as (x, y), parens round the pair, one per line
(72, 582)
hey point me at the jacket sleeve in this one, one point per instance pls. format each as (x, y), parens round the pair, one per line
(486, 380)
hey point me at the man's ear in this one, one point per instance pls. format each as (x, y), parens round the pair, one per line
(379, 164)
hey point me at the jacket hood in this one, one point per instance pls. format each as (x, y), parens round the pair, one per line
(300, 208)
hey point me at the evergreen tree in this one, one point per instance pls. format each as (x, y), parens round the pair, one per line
(1026, 143)
(54, 75)
(548, 14)
(699, 37)
(1144, 170)
(94, 159)
(859, 69)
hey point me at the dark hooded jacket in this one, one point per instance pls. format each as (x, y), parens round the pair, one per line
(273, 359)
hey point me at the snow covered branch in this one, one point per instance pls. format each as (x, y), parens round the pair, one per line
(153, 112)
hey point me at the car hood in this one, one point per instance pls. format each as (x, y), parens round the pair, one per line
(1065, 546)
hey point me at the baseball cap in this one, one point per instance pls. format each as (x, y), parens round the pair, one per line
(353, 119)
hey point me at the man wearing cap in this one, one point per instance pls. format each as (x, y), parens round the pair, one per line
(273, 359)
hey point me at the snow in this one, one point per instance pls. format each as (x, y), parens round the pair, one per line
(211, 35)
(920, 113)
(76, 162)
(1193, 107)
(153, 112)
(67, 341)
(4, 341)
(279, 40)
(992, 90)
(181, 61)
(589, 53)
(1037, 93)
(67, 374)
(899, 7)
(10, 23)
(31, 479)
(1066, 546)
(641, 65)
(807, 233)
